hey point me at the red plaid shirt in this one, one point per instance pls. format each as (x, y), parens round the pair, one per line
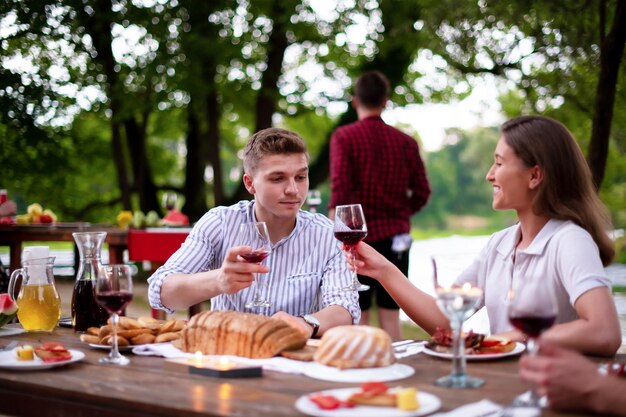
(380, 167)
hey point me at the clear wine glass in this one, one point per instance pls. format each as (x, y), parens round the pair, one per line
(350, 228)
(114, 290)
(532, 310)
(169, 200)
(458, 304)
(256, 236)
(313, 200)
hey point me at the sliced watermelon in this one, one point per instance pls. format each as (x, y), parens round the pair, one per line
(175, 218)
(8, 309)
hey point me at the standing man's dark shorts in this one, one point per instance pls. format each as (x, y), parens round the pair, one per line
(383, 299)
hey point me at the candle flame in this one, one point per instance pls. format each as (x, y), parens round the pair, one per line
(197, 359)
(224, 363)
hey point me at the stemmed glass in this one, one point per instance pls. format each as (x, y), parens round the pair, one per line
(169, 200)
(313, 200)
(114, 290)
(458, 304)
(350, 228)
(532, 310)
(256, 236)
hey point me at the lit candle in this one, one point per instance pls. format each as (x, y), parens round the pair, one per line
(225, 364)
(197, 360)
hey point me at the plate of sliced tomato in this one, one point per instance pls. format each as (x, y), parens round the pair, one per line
(47, 355)
(371, 399)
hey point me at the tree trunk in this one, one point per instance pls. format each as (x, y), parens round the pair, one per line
(195, 187)
(611, 55)
(98, 25)
(213, 141)
(269, 94)
(142, 172)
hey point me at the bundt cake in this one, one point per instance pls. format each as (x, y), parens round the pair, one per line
(355, 347)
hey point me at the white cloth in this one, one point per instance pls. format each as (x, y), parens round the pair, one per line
(307, 269)
(562, 252)
(278, 364)
(486, 408)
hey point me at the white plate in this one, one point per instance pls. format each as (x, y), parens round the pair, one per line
(108, 347)
(8, 360)
(519, 348)
(10, 331)
(385, 373)
(428, 404)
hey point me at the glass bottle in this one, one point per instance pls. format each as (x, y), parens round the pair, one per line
(85, 311)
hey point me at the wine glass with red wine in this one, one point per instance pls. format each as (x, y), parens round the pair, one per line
(256, 236)
(114, 290)
(532, 310)
(350, 228)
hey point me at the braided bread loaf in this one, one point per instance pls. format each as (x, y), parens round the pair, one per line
(239, 334)
(355, 347)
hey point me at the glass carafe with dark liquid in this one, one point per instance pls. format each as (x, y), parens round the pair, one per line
(85, 311)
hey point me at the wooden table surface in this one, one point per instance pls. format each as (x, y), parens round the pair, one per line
(15, 235)
(150, 387)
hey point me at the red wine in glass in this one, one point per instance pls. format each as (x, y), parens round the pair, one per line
(351, 238)
(350, 228)
(114, 301)
(532, 310)
(255, 256)
(532, 326)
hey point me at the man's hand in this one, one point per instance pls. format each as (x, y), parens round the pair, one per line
(237, 274)
(295, 322)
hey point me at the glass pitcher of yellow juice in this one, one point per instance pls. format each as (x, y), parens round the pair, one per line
(38, 302)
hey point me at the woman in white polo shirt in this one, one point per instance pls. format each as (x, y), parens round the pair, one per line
(540, 172)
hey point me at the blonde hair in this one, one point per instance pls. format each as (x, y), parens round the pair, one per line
(567, 191)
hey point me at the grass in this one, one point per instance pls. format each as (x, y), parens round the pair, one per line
(409, 329)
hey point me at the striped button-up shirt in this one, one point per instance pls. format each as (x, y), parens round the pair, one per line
(307, 269)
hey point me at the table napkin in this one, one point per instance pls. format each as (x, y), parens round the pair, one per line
(166, 350)
(410, 350)
(487, 408)
(278, 364)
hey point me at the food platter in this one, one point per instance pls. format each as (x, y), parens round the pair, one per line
(519, 348)
(428, 404)
(386, 373)
(8, 360)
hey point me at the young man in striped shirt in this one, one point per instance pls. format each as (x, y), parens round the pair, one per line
(305, 272)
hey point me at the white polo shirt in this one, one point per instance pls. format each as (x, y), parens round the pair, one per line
(562, 252)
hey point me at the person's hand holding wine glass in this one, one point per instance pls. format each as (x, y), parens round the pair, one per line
(114, 290)
(532, 310)
(256, 236)
(350, 228)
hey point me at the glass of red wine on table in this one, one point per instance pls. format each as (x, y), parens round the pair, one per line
(532, 310)
(350, 228)
(114, 291)
(256, 236)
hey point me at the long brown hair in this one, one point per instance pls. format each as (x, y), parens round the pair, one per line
(567, 191)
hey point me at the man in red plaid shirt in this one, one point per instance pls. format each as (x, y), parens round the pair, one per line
(380, 167)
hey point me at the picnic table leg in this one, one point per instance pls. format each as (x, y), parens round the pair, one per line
(15, 254)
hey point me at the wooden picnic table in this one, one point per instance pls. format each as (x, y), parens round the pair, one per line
(150, 387)
(15, 235)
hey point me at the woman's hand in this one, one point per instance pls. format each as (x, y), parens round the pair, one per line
(368, 261)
